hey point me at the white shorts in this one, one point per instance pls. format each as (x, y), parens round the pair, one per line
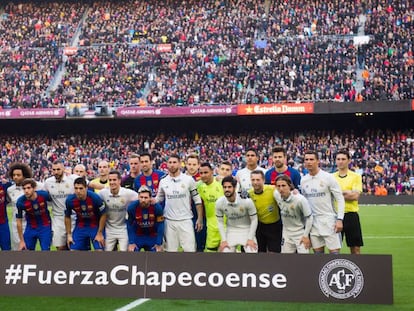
(332, 242)
(179, 233)
(235, 237)
(114, 236)
(323, 233)
(292, 245)
(14, 235)
(59, 231)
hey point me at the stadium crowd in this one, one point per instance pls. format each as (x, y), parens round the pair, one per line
(383, 158)
(224, 52)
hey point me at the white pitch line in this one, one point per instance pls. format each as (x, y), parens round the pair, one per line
(133, 304)
(389, 237)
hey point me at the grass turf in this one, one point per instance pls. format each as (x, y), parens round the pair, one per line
(386, 229)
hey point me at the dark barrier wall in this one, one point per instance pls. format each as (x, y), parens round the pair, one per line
(271, 277)
(369, 106)
(388, 200)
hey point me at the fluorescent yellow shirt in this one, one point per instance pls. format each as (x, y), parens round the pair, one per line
(98, 181)
(352, 181)
(266, 206)
(210, 194)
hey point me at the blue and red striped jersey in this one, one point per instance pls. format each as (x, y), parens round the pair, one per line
(271, 174)
(88, 211)
(37, 212)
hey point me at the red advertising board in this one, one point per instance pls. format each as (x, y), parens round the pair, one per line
(279, 108)
(38, 113)
(162, 112)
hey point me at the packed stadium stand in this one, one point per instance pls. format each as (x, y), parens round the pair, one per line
(150, 53)
(131, 53)
(382, 157)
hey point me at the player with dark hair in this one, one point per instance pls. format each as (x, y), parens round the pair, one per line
(145, 223)
(210, 190)
(134, 171)
(149, 177)
(59, 186)
(39, 223)
(243, 176)
(351, 185)
(178, 190)
(241, 216)
(279, 157)
(225, 169)
(116, 199)
(90, 218)
(17, 172)
(192, 166)
(321, 189)
(296, 216)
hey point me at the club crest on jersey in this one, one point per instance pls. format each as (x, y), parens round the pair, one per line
(84, 207)
(35, 206)
(241, 210)
(149, 183)
(123, 201)
(145, 216)
(183, 186)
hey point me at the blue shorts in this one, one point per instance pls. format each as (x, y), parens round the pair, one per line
(5, 242)
(82, 239)
(145, 243)
(43, 234)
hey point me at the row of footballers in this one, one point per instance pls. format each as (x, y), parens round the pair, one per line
(255, 222)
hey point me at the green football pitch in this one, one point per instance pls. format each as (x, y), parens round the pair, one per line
(387, 230)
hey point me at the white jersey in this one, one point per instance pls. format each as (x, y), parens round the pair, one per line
(116, 207)
(243, 177)
(13, 193)
(293, 211)
(241, 215)
(59, 191)
(178, 193)
(321, 191)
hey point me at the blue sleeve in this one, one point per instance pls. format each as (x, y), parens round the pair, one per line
(98, 203)
(20, 208)
(68, 203)
(130, 221)
(267, 176)
(159, 214)
(296, 179)
(136, 183)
